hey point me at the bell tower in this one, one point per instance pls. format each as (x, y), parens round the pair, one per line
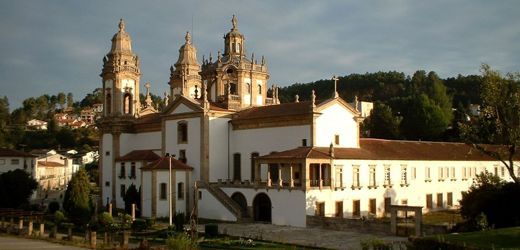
(185, 78)
(120, 76)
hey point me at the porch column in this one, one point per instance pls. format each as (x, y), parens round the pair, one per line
(280, 179)
(320, 180)
(268, 176)
(291, 180)
(258, 178)
(305, 169)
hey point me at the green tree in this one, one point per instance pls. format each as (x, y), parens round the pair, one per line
(382, 123)
(132, 197)
(61, 99)
(76, 202)
(423, 119)
(4, 112)
(16, 187)
(499, 119)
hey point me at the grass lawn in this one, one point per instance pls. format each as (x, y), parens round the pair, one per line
(442, 217)
(497, 238)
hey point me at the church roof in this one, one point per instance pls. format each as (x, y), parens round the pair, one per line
(379, 149)
(5, 152)
(280, 110)
(121, 42)
(139, 155)
(50, 164)
(163, 163)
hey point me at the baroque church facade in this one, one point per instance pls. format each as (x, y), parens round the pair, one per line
(237, 153)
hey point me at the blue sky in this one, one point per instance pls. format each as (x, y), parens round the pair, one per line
(58, 46)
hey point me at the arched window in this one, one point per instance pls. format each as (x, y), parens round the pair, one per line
(182, 132)
(259, 89)
(254, 155)
(248, 86)
(127, 103)
(180, 190)
(162, 191)
(234, 47)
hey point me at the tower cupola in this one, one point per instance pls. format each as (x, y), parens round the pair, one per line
(184, 78)
(234, 41)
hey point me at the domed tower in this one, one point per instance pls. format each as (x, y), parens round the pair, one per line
(184, 78)
(234, 80)
(121, 76)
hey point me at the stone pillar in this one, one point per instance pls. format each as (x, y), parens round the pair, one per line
(93, 239)
(320, 178)
(280, 179)
(393, 220)
(291, 179)
(418, 222)
(110, 208)
(69, 232)
(20, 224)
(268, 176)
(30, 228)
(133, 211)
(126, 237)
(42, 229)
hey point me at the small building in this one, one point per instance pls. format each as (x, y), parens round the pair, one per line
(36, 124)
(11, 159)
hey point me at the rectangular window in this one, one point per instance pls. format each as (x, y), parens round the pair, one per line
(464, 173)
(439, 200)
(336, 139)
(447, 172)
(320, 209)
(502, 171)
(453, 177)
(15, 161)
(122, 171)
(372, 206)
(339, 209)
(182, 155)
(162, 191)
(182, 132)
(388, 181)
(339, 176)
(304, 142)
(356, 208)
(122, 191)
(414, 173)
(180, 190)
(429, 201)
(200, 195)
(107, 183)
(427, 174)
(372, 180)
(107, 153)
(496, 170)
(441, 173)
(355, 176)
(449, 199)
(404, 175)
(132, 170)
(237, 167)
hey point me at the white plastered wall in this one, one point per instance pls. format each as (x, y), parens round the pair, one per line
(263, 141)
(139, 141)
(192, 147)
(107, 167)
(211, 208)
(146, 191)
(218, 145)
(337, 120)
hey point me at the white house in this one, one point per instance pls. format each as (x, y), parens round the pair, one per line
(37, 124)
(240, 154)
(11, 159)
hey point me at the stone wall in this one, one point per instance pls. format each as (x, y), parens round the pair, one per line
(366, 226)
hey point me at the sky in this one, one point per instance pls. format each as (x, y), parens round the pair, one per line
(55, 46)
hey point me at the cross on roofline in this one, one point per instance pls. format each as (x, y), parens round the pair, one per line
(335, 79)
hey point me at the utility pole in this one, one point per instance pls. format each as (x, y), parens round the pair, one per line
(169, 185)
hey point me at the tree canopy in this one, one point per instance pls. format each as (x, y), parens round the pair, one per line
(76, 201)
(16, 187)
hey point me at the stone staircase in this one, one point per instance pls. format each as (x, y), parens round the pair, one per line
(225, 200)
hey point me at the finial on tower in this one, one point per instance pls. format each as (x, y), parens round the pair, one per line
(219, 56)
(166, 99)
(148, 99)
(121, 24)
(188, 37)
(335, 79)
(234, 22)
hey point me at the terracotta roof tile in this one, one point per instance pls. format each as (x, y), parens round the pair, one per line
(163, 163)
(139, 155)
(284, 109)
(5, 152)
(378, 149)
(150, 118)
(50, 164)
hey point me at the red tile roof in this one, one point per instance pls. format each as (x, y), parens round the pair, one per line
(139, 155)
(279, 110)
(5, 152)
(378, 149)
(50, 164)
(163, 163)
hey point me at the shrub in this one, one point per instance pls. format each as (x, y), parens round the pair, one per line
(181, 241)
(105, 219)
(139, 225)
(59, 217)
(53, 207)
(211, 230)
(179, 220)
(150, 222)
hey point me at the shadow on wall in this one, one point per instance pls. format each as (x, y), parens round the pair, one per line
(310, 204)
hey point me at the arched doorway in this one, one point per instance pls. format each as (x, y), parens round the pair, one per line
(240, 199)
(262, 208)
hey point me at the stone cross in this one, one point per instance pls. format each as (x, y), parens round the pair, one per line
(335, 79)
(147, 86)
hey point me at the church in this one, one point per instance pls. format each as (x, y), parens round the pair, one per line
(225, 148)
